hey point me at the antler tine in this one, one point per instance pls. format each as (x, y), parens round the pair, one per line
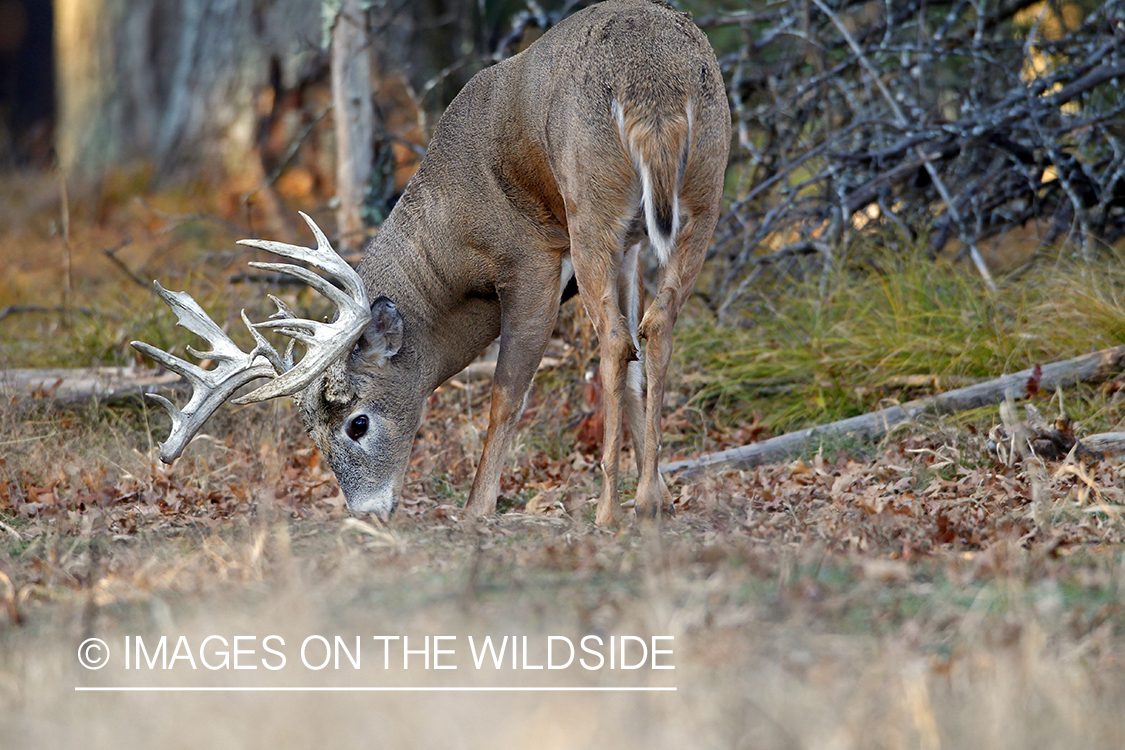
(323, 257)
(324, 342)
(209, 388)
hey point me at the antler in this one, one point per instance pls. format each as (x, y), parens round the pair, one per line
(324, 342)
(209, 388)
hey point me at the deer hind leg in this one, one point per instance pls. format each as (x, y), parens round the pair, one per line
(527, 318)
(676, 283)
(598, 257)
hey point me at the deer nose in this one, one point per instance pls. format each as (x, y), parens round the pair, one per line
(380, 501)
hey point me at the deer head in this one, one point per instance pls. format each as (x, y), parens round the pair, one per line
(364, 410)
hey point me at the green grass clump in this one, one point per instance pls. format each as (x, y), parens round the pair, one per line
(828, 349)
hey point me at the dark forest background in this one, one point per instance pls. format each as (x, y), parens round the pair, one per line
(945, 125)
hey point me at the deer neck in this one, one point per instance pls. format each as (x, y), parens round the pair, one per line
(449, 316)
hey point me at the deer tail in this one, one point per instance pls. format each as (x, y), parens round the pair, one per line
(659, 145)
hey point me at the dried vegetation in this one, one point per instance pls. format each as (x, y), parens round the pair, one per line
(960, 583)
(942, 588)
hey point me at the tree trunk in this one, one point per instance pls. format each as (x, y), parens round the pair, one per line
(354, 114)
(171, 80)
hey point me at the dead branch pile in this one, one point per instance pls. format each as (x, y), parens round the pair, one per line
(941, 120)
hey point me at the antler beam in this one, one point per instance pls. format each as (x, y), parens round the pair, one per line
(209, 388)
(324, 343)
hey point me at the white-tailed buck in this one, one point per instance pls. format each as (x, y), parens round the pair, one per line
(607, 136)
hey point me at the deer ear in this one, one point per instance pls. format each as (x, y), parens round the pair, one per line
(383, 336)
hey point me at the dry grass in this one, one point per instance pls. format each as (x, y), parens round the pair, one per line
(918, 593)
(843, 603)
(774, 647)
(820, 349)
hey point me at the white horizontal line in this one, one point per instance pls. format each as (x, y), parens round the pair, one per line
(219, 689)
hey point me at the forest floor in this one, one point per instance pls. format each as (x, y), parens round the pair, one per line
(923, 591)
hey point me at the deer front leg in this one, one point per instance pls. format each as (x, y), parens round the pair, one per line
(528, 310)
(630, 292)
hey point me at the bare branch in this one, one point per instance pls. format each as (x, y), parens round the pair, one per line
(946, 119)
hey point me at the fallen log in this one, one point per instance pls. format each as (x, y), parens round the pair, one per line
(1109, 444)
(78, 385)
(1084, 369)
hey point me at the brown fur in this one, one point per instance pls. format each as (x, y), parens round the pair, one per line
(528, 167)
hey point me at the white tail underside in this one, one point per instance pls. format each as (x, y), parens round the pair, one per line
(662, 244)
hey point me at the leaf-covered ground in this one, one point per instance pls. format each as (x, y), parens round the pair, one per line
(943, 588)
(920, 593)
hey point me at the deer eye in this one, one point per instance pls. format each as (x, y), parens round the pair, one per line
(357, 428)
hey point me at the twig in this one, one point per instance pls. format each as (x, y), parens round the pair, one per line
(271, 279)
(290, 153)
(12, 532)
(111, 253)
(60, 309)
(176, 220)
(68, 285)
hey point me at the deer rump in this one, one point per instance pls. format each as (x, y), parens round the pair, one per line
(550, 171)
